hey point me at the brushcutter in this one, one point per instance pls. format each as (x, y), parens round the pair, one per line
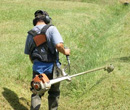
(41, 83)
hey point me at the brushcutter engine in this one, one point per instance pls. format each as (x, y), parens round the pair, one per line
(40, 84)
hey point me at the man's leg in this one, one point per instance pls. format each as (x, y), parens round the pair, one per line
(35, 102)
(53, 97)
(35, 99)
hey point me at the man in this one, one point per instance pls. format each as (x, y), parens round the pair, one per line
(44, 59)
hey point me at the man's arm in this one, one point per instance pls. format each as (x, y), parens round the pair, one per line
(60, 48)
(57, 41)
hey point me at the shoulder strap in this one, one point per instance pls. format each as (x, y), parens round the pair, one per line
(32, 32)
(44, 29)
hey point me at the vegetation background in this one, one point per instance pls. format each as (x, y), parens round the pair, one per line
(97, 32)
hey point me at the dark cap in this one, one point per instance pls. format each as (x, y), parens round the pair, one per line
(40, 12)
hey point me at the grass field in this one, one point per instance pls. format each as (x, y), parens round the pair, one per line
(96, 31)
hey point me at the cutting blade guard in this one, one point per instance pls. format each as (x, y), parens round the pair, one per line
(109, 68)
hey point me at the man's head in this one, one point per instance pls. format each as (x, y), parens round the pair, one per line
(40, 16)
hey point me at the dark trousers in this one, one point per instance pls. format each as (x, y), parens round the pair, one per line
(53, 97)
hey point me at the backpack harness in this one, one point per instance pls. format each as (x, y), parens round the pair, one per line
(39, 49)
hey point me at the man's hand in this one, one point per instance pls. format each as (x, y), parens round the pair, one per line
(67, 52)
(60, 48)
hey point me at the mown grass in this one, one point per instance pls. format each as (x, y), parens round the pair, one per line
(97, 33)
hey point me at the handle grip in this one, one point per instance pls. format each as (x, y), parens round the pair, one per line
(68, 59)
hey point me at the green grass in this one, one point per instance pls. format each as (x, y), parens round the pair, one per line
(97, 33)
